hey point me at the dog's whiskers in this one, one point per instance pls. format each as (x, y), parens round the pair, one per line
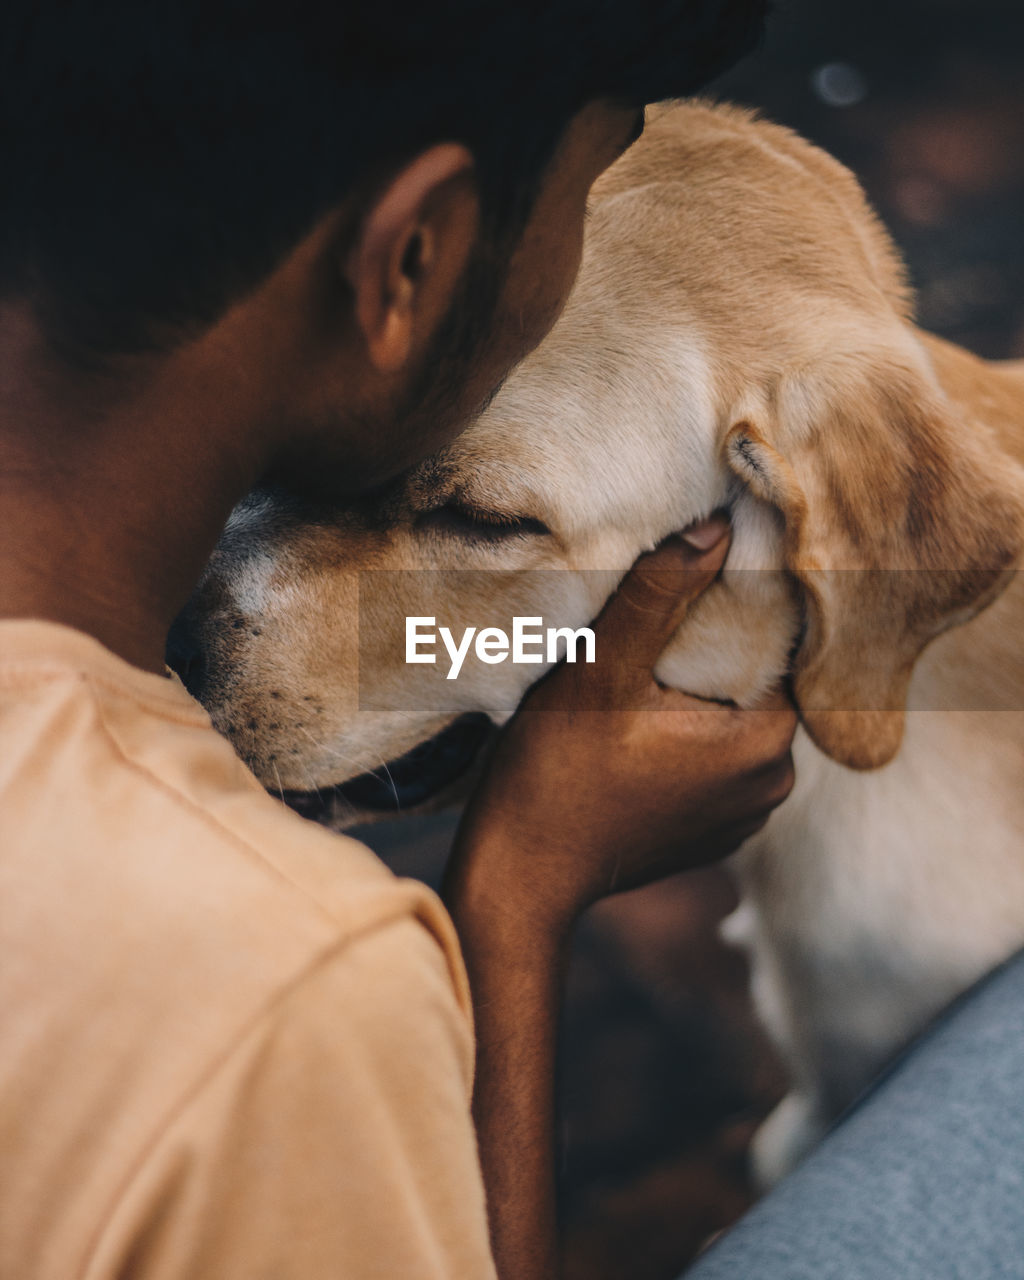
(383, 767)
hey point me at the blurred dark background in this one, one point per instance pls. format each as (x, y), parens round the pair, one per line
(664, 1072)
(924, 100)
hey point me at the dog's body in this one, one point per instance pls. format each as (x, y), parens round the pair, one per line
(739, 337)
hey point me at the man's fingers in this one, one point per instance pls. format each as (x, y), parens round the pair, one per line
(653, 598)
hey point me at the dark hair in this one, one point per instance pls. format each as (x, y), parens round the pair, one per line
(160, 156)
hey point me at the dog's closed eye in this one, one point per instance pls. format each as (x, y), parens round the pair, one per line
(457, 520)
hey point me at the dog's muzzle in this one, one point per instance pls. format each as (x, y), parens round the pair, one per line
(412, 779)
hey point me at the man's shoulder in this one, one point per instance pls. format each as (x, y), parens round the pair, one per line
(149, 878)
(159, 910)
(115, 779)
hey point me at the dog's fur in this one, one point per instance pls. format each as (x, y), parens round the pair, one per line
(739, 337)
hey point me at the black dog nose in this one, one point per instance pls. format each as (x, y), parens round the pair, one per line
(184, 653)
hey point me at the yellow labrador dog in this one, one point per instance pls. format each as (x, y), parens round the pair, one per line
(740, 338)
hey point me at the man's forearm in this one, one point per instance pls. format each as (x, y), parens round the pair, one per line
(515, 973)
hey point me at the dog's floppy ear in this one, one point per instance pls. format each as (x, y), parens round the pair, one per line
(900, 523)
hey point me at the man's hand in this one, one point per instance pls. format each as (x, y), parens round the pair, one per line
(602, 781)
(605, 779)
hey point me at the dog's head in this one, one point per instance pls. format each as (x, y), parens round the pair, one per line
(738, 338)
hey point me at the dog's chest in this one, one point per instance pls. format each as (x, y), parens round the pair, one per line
(932, 843)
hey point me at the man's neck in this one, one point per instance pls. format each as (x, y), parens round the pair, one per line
(109, 517)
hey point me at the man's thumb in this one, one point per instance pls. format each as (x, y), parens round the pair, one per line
(653, 598)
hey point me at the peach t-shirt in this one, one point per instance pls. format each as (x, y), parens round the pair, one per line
(232, 1044)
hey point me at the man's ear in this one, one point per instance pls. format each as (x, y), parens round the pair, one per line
(411, 249)
(902, 519)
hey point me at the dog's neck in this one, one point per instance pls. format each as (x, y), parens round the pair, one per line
(971, 667)
(989, 391)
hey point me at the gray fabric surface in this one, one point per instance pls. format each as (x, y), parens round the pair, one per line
(922, 1180)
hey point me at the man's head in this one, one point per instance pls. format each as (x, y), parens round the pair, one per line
(398, 189)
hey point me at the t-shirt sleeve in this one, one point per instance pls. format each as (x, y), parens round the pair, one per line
(334, 1140)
